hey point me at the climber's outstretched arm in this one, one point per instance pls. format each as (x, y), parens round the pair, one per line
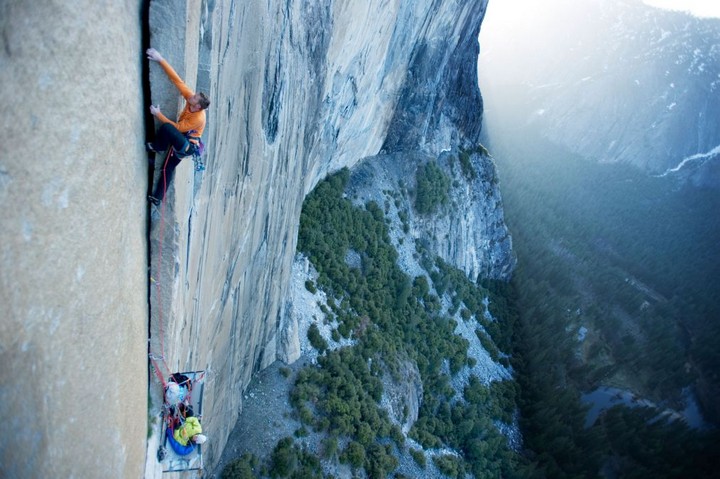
(155, 56)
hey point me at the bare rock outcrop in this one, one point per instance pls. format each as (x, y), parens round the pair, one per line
(402, 395)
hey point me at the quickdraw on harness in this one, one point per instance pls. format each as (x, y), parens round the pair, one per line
(196, 149)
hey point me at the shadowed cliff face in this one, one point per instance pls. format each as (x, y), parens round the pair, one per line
(469, 232)
(440, 103)
(298, 90)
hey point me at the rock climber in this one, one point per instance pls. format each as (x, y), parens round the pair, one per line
(177, 389)
(183, 433)
(183, 135)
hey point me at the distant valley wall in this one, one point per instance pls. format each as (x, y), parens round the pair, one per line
(614, 81)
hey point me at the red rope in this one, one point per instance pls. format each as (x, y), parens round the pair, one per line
(158, 288)
(158, 372)
(160, 248)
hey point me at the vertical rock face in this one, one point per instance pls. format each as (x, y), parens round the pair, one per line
(440, 104)
(473, 237)
(468, 232)
(299, 89)
(73, 254)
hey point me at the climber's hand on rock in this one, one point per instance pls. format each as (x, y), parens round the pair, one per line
(154, 55)
(154, 110)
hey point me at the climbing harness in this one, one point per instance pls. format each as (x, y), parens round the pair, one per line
(197, 149)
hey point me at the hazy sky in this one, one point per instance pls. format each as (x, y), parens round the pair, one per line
(699, 8)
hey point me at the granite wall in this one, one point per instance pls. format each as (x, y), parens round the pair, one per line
(298, 89)
(73, 243)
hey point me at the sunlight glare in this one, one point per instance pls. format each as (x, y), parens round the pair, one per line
(699, 8)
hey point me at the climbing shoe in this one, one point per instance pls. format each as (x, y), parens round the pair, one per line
(149, 148)
(153, 200)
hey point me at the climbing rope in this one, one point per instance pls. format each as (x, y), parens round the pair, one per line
(158, 287)
(157, 361)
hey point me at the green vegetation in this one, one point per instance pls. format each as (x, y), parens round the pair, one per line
(652, 447)
(468, 427)
(288, 460)
(393, 320)
(488, 345)
(317, 341)
(599, 246)
(632, 254)
(466, 165)
(242, 468)
(419, 457)
(310, 286)
(451, 466)
(467, 168)
(433, 187)
(354, 454)
(403, 216)
(330, 447)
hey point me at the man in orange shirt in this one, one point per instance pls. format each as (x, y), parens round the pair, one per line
(184, 135)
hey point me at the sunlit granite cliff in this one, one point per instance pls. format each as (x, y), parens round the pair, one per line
(73, 278)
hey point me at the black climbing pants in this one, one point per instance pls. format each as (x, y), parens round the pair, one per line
(168, 135)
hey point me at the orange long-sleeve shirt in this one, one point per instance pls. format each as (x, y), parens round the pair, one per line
(187, 120)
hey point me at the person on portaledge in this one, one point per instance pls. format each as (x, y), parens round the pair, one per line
(184, 135)
(184, 433)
